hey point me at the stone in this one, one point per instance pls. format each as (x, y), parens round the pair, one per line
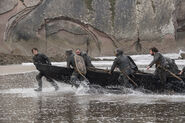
(96, 26)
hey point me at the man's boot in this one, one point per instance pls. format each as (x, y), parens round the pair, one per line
(39, 83)
(56, 88)
(55, 85)
(38, 89)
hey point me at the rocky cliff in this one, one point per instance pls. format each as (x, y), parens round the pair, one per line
(96, 26)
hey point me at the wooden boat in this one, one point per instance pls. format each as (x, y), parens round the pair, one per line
(103, 78)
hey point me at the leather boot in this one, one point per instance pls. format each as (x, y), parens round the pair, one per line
(38, 89)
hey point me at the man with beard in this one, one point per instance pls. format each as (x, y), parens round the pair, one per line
(124, 64)
(160, 64)
(39, 58)
(78, 64)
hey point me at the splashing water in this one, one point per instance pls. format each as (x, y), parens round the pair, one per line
(83, 88)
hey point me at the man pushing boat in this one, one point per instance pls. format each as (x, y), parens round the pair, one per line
(164, 66)
(160, 63)
(126, 67)
(76, 61)
(38, 59)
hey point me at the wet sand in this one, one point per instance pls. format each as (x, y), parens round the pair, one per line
(16, 69)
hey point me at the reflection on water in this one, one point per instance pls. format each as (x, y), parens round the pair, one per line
(20, 104)
(70, 107)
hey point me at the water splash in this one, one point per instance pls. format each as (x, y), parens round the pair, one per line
(83, 88)
(29, 92)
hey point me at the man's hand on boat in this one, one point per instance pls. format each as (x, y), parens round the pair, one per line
(109, 72)
(180, 73)
(148, 67)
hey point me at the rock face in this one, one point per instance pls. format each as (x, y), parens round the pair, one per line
(7, 5)
(180, 28)
(96, 26)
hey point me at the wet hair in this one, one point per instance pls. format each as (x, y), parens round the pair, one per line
(34, 49)
(154, 49)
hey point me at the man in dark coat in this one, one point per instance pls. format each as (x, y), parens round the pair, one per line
(86, 58)
(160, 64)
(39, 58)
(76, 75)
(124, 64)
(70, 59)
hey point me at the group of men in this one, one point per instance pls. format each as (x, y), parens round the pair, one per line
(80, 62)
(78, 74)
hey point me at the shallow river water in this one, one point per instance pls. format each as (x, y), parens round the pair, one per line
(20, 104)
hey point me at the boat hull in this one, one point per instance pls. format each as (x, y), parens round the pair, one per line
(103, 78)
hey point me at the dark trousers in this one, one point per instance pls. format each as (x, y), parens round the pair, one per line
(125, 81)
(76, 77)
(161, 74)
(39, 79)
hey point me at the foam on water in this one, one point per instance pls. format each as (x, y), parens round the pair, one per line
(141, 98)
(24, 92)
(29, 92)
(154, 98)
(98, 93)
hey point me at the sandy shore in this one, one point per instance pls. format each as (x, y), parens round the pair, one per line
(15, 69)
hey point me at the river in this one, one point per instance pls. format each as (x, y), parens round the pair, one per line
(21, 104)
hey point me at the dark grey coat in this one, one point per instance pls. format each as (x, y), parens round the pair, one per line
(41, 59)
(71, 61)
(87, 60)
(158, 60)
(123, 63)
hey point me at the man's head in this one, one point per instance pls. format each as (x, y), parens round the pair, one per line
(34, 51)
(118, 52)
(78, 51)
(153, 50)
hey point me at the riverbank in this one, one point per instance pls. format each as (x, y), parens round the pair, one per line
(16, 69)
(8, 59)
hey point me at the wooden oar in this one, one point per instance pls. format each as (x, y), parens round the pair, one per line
(129, 78)
(171, 73)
